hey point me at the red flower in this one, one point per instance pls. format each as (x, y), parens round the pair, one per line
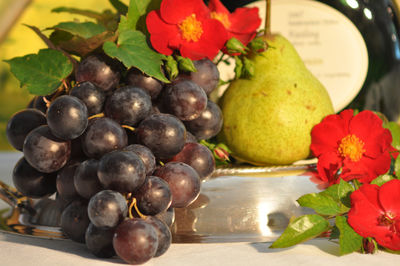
(185, 25)
(351, 147)
(241, 24)
(375, 212)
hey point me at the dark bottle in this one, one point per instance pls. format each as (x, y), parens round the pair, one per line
(372, 78)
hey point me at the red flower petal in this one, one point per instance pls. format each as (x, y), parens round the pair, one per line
(174, 11)
(244, 38)
(217, 6)
(365, 211)
(391, 240)
(326, 136)
(367, 169)
(389, 197)
(368, 127)
(160, 44)
(161, 33)
(249, 15)
(327, 166)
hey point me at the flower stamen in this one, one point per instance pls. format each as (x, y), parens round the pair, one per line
(387, 219)
(351, 147)
(221, 17)
(191, 28)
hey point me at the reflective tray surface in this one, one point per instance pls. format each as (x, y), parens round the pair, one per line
(249, 204)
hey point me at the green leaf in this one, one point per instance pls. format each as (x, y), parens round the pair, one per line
(85, 29)
(137, 8)
(335, 233)
(349, 240)
(79, 46)
(333, 192)
(123, 24)
(301, 229)
(119, 6)
(41, 73)
(133, 51)
(382, 179)
(321, 204)
(395, 130)
(137, 12)
(344, 192)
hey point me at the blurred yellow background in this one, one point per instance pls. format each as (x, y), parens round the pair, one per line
(21, 40)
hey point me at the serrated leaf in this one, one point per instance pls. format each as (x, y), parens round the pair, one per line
(382, 179)
(395, 130)
(333, 192)
(41, 73)
(83, 29)
(79, 46)
(60, 36)
(349, 240)
(301, 229)
(344, 191)
(133, 51)
(321, 204)
(119, 6)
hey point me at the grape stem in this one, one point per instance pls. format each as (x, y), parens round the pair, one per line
(47, 102)
(134, 205)
(96, 115)
(65, 85)
(267, 25)
(60, 90)
(128, 127)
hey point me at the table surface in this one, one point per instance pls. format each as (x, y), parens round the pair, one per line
(25, 250)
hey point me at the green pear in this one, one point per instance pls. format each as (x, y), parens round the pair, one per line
(268, 119)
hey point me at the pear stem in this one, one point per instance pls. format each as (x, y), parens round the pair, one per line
(267, 25)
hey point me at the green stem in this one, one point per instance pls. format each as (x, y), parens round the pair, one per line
(267, 25)
(356, 184)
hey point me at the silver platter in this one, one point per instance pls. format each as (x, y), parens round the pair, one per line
(252, 204)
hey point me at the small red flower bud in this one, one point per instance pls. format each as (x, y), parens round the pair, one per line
(221, 154)
(369, 245)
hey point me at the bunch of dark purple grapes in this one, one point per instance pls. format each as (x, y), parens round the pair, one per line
(119, 151)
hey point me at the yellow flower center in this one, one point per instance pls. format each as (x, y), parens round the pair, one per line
(223, 18)
(351, 147)
(191, 28)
